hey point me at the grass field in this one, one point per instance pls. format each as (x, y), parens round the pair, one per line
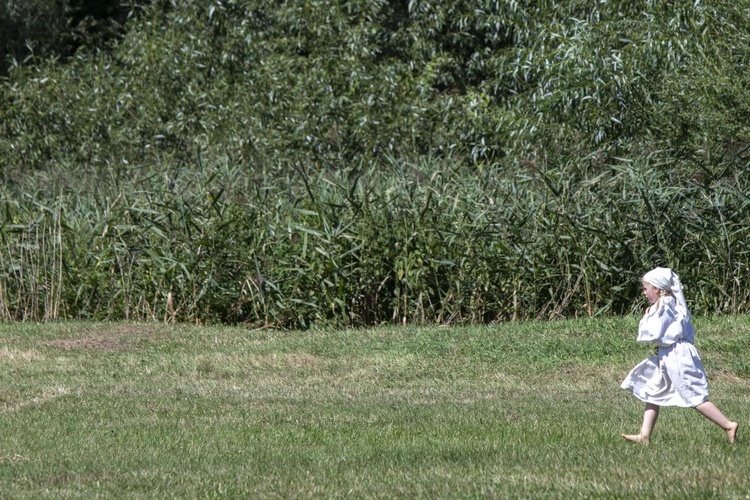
(510, 410)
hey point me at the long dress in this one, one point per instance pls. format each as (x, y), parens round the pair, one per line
(675, 377)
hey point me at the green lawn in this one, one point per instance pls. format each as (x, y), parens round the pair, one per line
(519, 409)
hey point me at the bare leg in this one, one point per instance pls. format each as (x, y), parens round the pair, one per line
(711, 412)
(649, 421)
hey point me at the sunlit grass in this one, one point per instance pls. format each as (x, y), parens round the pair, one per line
(518, 409)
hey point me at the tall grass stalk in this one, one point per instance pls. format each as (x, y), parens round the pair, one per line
(32, 282)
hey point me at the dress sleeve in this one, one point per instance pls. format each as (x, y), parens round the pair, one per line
(652, 325)
(664, 326)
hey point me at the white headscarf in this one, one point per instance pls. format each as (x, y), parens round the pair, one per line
(665, 279)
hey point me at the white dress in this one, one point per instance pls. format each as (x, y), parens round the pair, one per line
(675, 377)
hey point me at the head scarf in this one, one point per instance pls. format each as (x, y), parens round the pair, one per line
(665, 279)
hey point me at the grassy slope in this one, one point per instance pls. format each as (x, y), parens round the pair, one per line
(514, 409)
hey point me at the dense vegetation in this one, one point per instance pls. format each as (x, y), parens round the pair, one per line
(384, 161)
(44, 28)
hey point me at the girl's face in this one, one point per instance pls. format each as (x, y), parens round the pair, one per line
(650, 292)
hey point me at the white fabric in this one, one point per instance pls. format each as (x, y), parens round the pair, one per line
(675, 377)
(665, 323)
(664, 278)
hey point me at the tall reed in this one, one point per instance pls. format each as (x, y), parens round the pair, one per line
(31, 260)
(394, 242)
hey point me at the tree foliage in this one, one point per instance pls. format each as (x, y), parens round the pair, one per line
(31, 29)
(347, 81)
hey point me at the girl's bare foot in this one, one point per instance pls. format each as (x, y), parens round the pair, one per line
(732, 432)
(638, 438)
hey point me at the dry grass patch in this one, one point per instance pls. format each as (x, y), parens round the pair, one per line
(12, 355)
(108, 338)
(90, 343)
(46, 396)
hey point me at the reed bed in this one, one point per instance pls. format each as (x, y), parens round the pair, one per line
(419, 242)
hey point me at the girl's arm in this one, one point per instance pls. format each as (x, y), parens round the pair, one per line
(655, 322)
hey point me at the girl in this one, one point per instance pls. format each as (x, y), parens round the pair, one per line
(675, 376)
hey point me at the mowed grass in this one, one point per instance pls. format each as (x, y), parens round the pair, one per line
(510, 410)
